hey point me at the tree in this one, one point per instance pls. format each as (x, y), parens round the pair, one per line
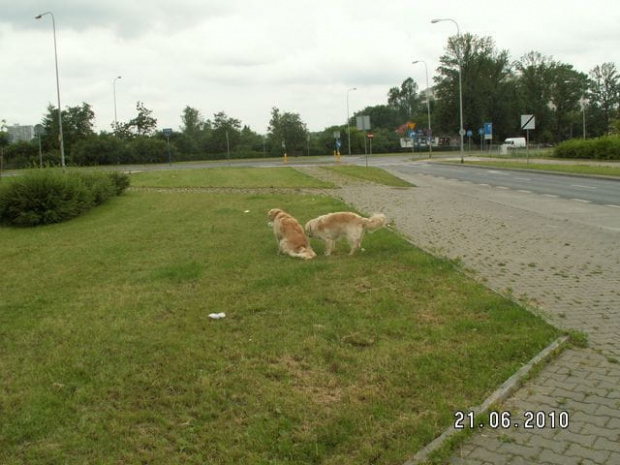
(488, 88)
(225, 132)
(77, 124)
(534, 72)
(193, 131)
(287, 133)
(142, 125)
(604, 95)
(567, 89)
(405, 99)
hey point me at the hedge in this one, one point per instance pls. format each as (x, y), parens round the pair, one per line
(48, 196)
(602, 148)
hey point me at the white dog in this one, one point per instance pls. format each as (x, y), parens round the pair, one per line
(333, 226)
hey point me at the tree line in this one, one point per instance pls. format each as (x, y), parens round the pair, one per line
(494, 89)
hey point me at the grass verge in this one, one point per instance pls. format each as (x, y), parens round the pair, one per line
(372, 174)
(562, 168)
(107, 354)
(228, 177)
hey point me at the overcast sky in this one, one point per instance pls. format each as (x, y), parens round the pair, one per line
(245, 57)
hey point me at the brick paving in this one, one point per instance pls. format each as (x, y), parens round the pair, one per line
(548, 254)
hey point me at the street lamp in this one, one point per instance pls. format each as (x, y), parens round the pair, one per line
(60, 137)
(428, 107)
(348, 123)
(458, 32)
(114, 88)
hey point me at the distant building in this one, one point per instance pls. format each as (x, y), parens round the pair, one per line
(19, 133)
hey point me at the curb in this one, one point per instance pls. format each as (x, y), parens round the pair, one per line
(500, 395)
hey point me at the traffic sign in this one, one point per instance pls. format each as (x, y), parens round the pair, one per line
(528, 122)
(370, 135)
(488, 131)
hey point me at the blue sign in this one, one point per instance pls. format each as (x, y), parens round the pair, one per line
(488, 131)
(469, 133)
(411, 134)
(338, 143)
(481, 131)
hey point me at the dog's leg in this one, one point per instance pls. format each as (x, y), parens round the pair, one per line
(329, 246)
(355, 241)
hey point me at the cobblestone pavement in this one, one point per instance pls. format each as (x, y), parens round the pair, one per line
(545, 253)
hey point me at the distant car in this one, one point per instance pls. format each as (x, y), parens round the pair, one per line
(515, 143)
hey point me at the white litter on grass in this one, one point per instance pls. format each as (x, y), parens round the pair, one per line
(217, 316)
(246, 211)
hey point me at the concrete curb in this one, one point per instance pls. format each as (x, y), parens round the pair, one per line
(500, 395)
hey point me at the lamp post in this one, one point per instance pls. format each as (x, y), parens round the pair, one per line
(60, 137)
(458, 32)
(348, 124)
(428, 107)
(114, 89)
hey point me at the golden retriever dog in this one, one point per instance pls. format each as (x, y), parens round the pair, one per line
(333, 226)
(290, 236)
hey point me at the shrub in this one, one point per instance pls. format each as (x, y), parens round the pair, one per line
(602, 148)
(104, 149)
(49, 196)
(120, 181)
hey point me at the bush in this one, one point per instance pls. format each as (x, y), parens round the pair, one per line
(104, 149)
(602, 148)
(49, 196)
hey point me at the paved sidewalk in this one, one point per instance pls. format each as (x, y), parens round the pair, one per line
(565, 269)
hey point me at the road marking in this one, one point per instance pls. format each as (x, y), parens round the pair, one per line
(581, 200)
(582, 187)
(524, 191)
(612, 205)
(551, 196)
(502, 187)
(484, 185)
(523, 179)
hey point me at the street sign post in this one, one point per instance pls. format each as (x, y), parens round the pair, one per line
(528, 122)
(168, 132)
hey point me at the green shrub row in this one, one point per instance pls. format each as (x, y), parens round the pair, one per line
(48, 196)
(602, 148)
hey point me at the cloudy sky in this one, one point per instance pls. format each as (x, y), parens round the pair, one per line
(245, 57)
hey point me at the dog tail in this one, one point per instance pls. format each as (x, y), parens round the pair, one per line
(376, 221)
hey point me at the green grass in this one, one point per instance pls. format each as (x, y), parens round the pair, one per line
(228, 177)
(107, 354)
(562, 168)
(376, 175)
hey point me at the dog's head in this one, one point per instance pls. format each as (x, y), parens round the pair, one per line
(273, 213)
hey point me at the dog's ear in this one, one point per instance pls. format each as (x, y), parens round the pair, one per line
(273, 213)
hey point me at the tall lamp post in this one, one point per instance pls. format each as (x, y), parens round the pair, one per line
(428, 108)
(60, 137)
(114, 89)
(348, 124)
(460, 58)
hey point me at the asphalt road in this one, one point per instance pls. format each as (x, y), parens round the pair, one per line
(578, 188)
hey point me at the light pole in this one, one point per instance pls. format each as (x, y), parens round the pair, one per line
(60, 137)
(428, 108)
(348, 123)
(458, 33)
(114, 89)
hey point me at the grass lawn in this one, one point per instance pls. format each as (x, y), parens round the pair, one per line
(107, 353)
(369, 173)
(228, 177)
(571, 169)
